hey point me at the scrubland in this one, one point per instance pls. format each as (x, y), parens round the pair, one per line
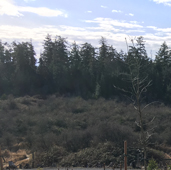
(71, 131)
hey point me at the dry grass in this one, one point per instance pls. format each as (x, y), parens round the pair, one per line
(19, 157)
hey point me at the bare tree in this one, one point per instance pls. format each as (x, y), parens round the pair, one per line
(138, 82)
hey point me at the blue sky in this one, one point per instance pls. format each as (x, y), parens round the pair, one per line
(87, 21)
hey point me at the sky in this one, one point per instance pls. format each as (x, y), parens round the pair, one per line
(87, 21)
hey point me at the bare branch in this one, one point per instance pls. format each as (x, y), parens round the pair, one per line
(135, 107)
(150, 104)
(150, 121)
(123, 90)
(145, 87)
(138, 124)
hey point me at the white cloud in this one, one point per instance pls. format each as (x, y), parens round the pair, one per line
(81, 35)
(131, 14)
(42, 11)
(117, 11)
(152, 27)
(29, 0)
(133, 31)
(103, 6)
(110, 22)
(64, 27)
(7, 7)
(133, 22)
(164, 30)
(89, 11)
(105, 28)
(165, 2)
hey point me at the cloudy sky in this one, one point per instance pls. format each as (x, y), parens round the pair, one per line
(86, 21)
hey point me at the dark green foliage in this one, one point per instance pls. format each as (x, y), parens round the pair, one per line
(163, 72)
(25, 68)
(81, 70)
(152, 165)
(75, 69)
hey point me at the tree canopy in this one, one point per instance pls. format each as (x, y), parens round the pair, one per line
(80, 70)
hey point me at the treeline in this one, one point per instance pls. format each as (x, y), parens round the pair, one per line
(81, 70)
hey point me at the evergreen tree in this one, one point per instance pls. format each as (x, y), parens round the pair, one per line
(45, 79)
(107, 68)
(54, 65)
(25, 69)
(47, 55)
(163, 72)
(88, 69)
(60, 65)
(6, 69)
(75, 69)
(45, 70)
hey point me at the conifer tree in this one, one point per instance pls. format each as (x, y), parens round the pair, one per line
(88, 69)
(25, 69)
(60, 65)
(75, 69)
(163, 72)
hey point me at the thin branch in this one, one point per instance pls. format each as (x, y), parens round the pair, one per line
(150, 104)
(135, 107)
(123, 90)
(138, 124)
(145, 87)
(150, 121)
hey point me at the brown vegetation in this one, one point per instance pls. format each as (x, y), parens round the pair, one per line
(20, 157)
(58, 128)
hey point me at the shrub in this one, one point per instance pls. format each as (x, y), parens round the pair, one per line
(25, 101)
(4, 97)
(152, 165)
(169, 167)
(11, 103)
